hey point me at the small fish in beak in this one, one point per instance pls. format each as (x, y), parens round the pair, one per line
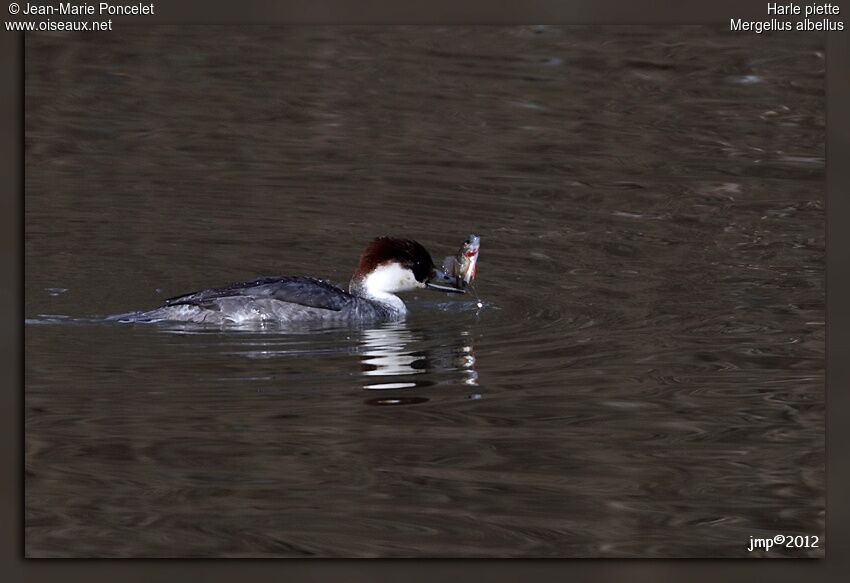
(462, 268)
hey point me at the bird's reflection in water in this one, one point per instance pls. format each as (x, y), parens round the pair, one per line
(387, 352)
(394, 353)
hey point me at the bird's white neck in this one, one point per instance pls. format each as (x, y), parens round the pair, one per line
(380, 285)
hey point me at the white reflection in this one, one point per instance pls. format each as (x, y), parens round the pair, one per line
(386, 353)
(395, 350)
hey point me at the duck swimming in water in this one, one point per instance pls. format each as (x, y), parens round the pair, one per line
(387, 266)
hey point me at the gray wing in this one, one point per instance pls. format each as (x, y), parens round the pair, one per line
(305, 291)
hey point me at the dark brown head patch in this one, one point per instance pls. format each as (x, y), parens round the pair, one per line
(406, 252)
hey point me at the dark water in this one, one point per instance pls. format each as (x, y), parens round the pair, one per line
(644, 380)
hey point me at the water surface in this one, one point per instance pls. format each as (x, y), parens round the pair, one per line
(645, 379)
